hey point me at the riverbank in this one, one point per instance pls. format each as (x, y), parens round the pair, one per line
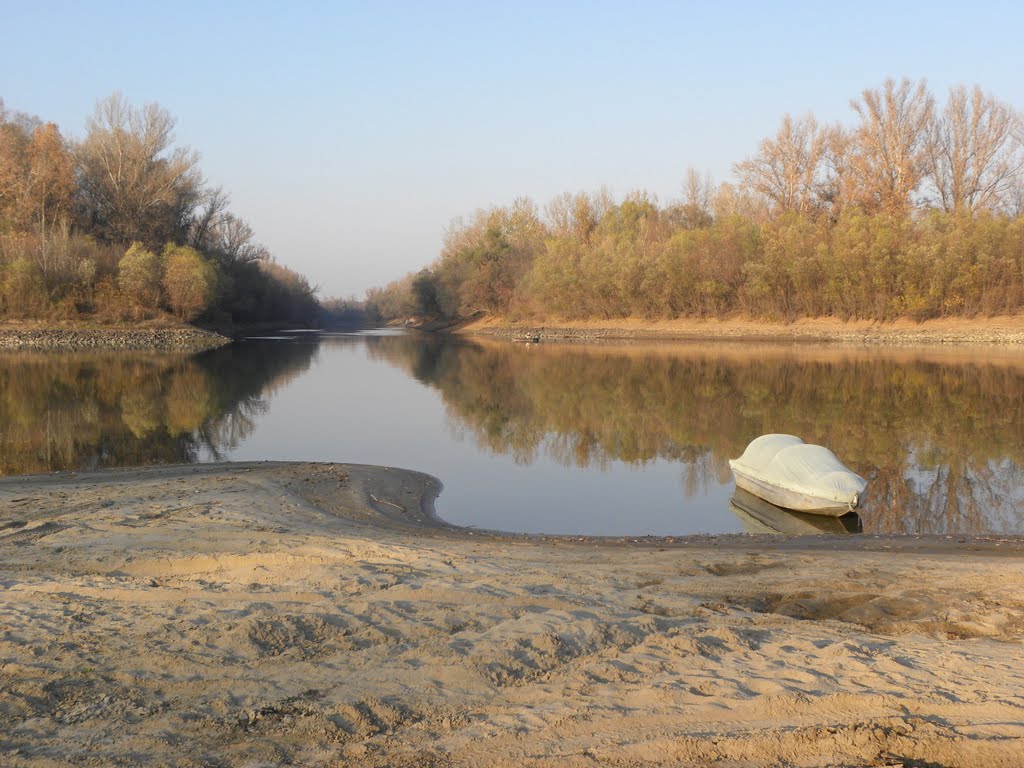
(1007, 330)
(314, 614)
(178, 338)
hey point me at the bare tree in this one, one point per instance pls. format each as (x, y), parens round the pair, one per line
(730, 201)
(578, 215)
(888, 158)
(232, 239)
(975, 153)
(134, 184)
(1014, 200)
(699, 189)
(522, 225)
(836, 171)
(698, 195)
(788, 168)
(214, 205)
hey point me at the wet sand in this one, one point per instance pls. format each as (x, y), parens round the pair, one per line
(316, 614)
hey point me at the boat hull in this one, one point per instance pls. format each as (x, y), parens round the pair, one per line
(759, 516)
(791, 499)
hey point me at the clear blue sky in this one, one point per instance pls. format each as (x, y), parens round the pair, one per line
(350, 134)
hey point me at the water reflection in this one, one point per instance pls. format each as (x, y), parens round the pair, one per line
(939, 435)
(758, 516)
(90, 410)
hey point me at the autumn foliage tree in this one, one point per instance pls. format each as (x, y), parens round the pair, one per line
(15, 135)
(49, 181)
(37, 178)
(140, 275)
(81, 224)
(189, 281)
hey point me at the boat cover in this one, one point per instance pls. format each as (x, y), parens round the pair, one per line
(787, 461)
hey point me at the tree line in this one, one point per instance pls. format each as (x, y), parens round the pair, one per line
(122, 226)
(913, 210)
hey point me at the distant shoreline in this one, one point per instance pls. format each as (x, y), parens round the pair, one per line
(1003, 330)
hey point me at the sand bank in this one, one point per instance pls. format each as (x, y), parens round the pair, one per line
(269, 614)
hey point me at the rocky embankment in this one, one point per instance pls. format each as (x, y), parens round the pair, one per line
(145, 339)
(954, 333)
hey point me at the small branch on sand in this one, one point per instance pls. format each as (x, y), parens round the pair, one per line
(389, 503)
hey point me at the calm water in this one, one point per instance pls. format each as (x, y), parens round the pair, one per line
(620, 440)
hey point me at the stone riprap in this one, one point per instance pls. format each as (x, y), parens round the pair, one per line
(154, 339)
(881, 335)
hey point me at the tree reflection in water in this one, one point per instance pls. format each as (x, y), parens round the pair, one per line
(938, 434)
(105, 409)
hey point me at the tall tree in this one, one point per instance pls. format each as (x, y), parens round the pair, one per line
(13, 170)
(134, 184)
(213, 206)
(698, 195)
(577, 215)
(787, 168)
(887, 158)
(975, 152)
(16, 133)
(36, 185)
(233, 240)
(51, 179)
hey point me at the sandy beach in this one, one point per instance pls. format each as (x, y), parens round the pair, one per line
(318, 615)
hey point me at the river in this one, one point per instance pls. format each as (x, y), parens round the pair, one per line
(624, 439)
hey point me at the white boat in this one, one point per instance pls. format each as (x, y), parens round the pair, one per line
(789, 473)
